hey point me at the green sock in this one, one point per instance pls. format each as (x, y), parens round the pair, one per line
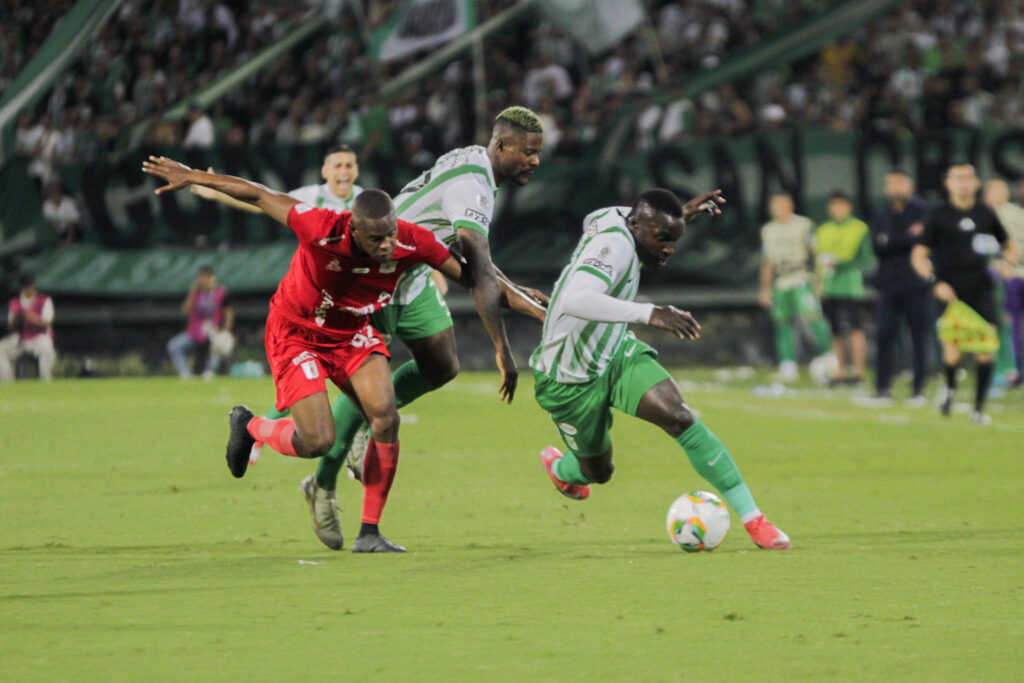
(409, 383)
(822, 334)
(712, 460)
(275, 414)
(785, 341)
(347, 421)
(567, 468)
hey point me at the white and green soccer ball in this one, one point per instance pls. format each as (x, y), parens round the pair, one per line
(697, 520)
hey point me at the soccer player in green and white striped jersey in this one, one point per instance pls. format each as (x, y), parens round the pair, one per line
(455, 199)
(588, 361)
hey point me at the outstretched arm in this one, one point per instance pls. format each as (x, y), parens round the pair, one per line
(584, 297)
(487, 297)
(275, 204)
(221, 198)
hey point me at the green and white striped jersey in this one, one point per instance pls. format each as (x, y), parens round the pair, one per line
(321, 197)
(573, 350)
(456, 192)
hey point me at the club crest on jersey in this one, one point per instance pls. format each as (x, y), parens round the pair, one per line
(334, 265)
(483, 201)
(966, 224)
(388, 267)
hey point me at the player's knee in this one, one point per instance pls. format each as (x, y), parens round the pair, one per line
(679, 419)
(316, 445)
(597, 470)
(441, 373)
(385, 426)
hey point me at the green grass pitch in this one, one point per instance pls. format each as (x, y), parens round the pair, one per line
(128, 552)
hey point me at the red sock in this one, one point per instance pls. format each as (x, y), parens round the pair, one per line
(275, 433)
(379, 466)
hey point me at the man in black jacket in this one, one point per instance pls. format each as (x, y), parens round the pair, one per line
(901, 291)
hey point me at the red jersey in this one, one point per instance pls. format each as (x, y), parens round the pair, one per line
(331, 290)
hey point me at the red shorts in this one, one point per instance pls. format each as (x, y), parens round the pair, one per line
(301, 360)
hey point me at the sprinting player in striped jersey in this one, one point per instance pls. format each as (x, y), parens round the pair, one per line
(454, 199)
(588, 361)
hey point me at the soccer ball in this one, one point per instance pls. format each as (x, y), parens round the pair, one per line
(697, 520)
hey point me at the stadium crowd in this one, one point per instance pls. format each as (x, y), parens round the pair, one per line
(923, 65)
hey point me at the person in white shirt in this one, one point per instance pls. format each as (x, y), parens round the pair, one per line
(200, 133)
(61, 213)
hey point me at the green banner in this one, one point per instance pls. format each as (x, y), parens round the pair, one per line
(89, 270)
(535, 226)
(65, 40)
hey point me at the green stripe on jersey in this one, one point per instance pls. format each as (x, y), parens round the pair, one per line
(443, 178)
(596, 273)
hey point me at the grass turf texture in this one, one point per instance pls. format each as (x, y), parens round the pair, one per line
(129, 552)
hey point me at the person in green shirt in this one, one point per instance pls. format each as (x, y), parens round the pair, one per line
(843, 253)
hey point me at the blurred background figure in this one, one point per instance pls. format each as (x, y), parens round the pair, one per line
(902, 293)
(30, 321)
(787, 289)
(210, 319)
(997, 196)
(843, 253)
(61, 213)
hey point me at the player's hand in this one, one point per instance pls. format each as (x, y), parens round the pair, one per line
(708, 203)
(680, 323)
(175, 173)
(202, 190)
(537, 295)
(764, 298)
(944, 292)
(509, 373)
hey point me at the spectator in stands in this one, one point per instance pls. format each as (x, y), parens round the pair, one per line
(843, 252)
(30, 321)
(210, 319)
(200, 133)
(901, 292)
(61, 213)
(997, 196)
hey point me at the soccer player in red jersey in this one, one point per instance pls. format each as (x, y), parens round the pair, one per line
(345, 268)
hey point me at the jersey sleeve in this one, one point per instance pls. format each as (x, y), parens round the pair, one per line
(310, 223)
(469, 203)
(930, 236)
(429, 249)
(607, 257)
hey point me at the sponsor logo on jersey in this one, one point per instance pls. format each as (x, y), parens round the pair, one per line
(966, 224)
(567, 428)
(360, 271)
(477, 217)
(598, 264)
(985, 244)
(305, 355)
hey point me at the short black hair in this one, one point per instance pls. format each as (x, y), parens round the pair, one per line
(840, 194)
(334, 149)
(26, 279)
(206, 269)
(898, 170)
(373, 204)
(661, 200)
